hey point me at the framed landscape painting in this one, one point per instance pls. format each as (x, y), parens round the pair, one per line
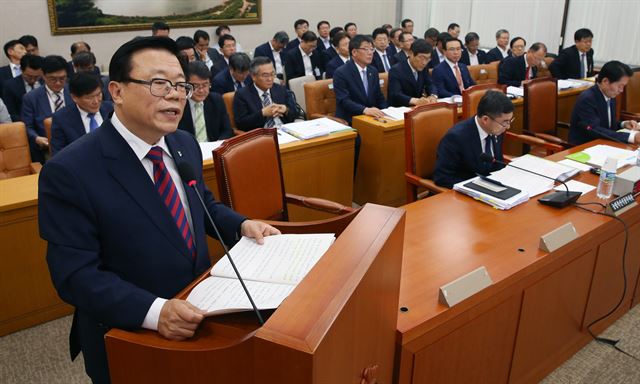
(86, 16)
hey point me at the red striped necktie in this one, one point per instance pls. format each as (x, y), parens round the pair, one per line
(169, 195)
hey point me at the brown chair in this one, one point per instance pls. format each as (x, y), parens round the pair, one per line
(424, 127)
(321, 100)
(484, 73)
(228, 103)
(384, 83)
(249, 176)
(47, 129)
(15, 158)
(544, 71)
(631, 98)
(541, 110)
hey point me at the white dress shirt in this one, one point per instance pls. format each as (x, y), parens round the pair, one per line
(632, 134)
(473, 58)
(52, 98)
(483, 136)
(15, 69)
(306, 59)
(277, 60)
(504, 52)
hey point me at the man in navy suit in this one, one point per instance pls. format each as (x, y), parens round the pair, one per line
(324, 38)
(14, 50)
(406, 39)
(409, 81)
(301, 60)
(576, 61)
(501, 50)
(273, 50)
(265, 103)
(205, 115)
(431, 36)
(594, 114)
(381, 43)
(395, 46)
(301, 26)
(15, 89)
(43, 102)
(86, 114)
(205, 53)
(438, 55)
(125, 233)
(341, 42)
(234, 77)
(472, 55)
(86, 62)
(450, 76)
(227, 45)
(514, 70)
(458, 155)
(331, 52)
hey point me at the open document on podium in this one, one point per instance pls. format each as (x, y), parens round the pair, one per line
(270, 271)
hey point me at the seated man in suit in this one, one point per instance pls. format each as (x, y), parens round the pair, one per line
(576, 61)
(324, 38)
(301, 60)
(86, 62)
(381, 43)
(86, 114)
(204, 52)
(472, 55)
(594, 114)
(187, 48)
(273, 50)
(331, 52)
(300, 26)
(14, 50)
(76, 48)
(517, 45)
(205, 115)
(407, 25)
(234, 77)
(227, 45)
(125, 232)
(357, 84)
(395, 46)
(43, 102)
(438, 55)
(514, 70)
(351, 29)
(501, 50)
(454, 30)
(451, 76)
(265, 103)
(15, 89)
(406, 39)
(341, 42)
(30, 43)
(222, 30)
(458, 155)
(431, 36)
(409, 81)
(160, 28)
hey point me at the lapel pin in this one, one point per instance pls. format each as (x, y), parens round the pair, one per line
(179, 153)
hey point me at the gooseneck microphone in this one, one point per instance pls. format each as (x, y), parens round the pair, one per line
(188, 175)
(555, 199)
(609, 137)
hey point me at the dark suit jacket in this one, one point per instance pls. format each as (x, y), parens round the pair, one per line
(351, 99)
(399, 57)
(264, 50)
(224, 82)
(590, 121)
(319, 52)
(331, 67)
(378, 62)
(328, 55)
(445, 80)
(71, 71)
(391, 54)
(215, 118)
(403, 86)
(495, 54)
(292, 44)
(218, 66)
(5, 75)
(213, 54)
(247, 107)
(482, 57)
(13, 93)
(294, 65)
(435, 59)
(567, 64)
(458, 156)
(67, 125)
(113, 246)
(512, 71)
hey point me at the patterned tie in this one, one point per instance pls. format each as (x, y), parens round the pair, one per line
(583, 72)
(456, 71)
(365, 82)
(169, 195)
(266, 101)
(200, 124)
(93, 123)
(17, 71)
(527, 75)
(385, 62)
(57, 102)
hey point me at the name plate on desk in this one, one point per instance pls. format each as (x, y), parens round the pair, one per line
(459, 289)
(560, 236)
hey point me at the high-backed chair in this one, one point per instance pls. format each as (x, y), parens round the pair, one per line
(47, 129)
(541, 110)
(484, 73)
(631, 100)
(544, 71)
(321, 100)
(249, 176)
(228, 104)
(384, 84)
(424, 127)
(297, 87)
(15, 158)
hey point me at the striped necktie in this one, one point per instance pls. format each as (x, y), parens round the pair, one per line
(458, 75)
(266, 101)
(200, 123)
(57, 102)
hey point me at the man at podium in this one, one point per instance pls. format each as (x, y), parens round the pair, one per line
(125, 231)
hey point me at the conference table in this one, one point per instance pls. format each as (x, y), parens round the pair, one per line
(381, 166)
(534, 315)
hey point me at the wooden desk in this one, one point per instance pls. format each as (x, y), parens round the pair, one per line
(380, 174)
(27, 296)
(534, 315)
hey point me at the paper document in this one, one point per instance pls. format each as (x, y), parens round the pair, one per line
(395, 113)
(573, 83)
(527, 182)
(579, 166)
(207, 148)
(545, 167)
(455, 99)
(575, 186)
(284, 137)
(515, 91)
(596, 155)
(314, 128)
(487, 198)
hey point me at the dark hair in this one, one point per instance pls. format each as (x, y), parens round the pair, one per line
(470, 37)
(199, 69)
(613, 71)
(28, 40)
(357, 41)
(431, 33)
(322, 22)
(421, 46)
(453, 26)
(160, 26)
(516, 39)
(30, 61)
(224, 38)
(300, 22)
(84, 59)
(185, 42)
(404, 22)
(379, 31)
(257, 62)
(281, 37)
(239, 62)
(387, 26)
(222, 28)
(582, 33)
(53, 63)
(335, 30)
(120, 65)
(450, 39)
(84, 83)
(401, 37)
(9, 45)
(309, 36)
(493, 104)
(75, 46)
(500, 32)
(535, 47)
(338, 38)
(200, 34)
(349, 24)
(394, 31)
(443, 37)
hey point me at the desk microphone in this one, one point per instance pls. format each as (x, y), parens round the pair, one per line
(188, 175)
(556, 199)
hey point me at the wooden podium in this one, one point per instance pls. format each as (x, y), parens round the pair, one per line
(338, 325)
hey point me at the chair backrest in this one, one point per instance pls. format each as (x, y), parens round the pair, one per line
(297, 87)
(472, 95)
(47, 129)
(424, 127)
(249, 175)
(384, 83)
(15, 158)
(632, 93)
(228, 104)
(541, 105)
(544, 71)
(484, 73)
(320, 98)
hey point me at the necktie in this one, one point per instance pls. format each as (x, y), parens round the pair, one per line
(609, 111)
(238, 85)
(169, 195)
(488, 145)
(266, 101)
(93, 123)
(16, 71)
(57, 102)
(200, 124)
(364, 82)
(583, 72)
(527, 75)
(385, 62)
(458, 77)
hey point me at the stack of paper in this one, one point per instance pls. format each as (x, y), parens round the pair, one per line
(595, 156)
(572, 83)
(455, 99)
(545, 167)
(285, 138)
(208, 147)
(313, 128)
(531, 184)
(395, 113)
(489, 199)
(515, 91)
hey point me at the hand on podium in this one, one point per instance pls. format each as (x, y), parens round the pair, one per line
(179, 319)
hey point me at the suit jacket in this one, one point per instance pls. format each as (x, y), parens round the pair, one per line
(328, 55)
(319, 52)
(292, 44)
(351, 99)
(247, 107)
(495, 54)
(331, 67)
(264, 50)
(224, 82)
(213, 54)
(403, 86)
(13, 92)
(458, 155)
(445, 80)
(5, 75)
(567, 64)
(71, 71)
(482, 57)
(590, 120)
(215, 117)
(113, 246)
(294, 65)
(67, 125)
(391, 54)
(218, 66)
(399, 57)
(36, 108)
(512, 71)
(378, 62)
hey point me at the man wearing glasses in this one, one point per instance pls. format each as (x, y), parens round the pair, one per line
(451, 77)
(125, 233)
(458, 156)
(515, 70)
(43, 102)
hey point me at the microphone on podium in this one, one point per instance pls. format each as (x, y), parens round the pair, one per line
(555, 199)
(188, 175)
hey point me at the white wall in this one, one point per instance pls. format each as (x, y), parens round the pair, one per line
(20, 17)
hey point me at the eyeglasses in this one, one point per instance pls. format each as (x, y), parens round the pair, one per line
(56, 79)
(267, 75)
(454, 49)
(504, 124)
(162, 87)
(367, 50)
(201, 86)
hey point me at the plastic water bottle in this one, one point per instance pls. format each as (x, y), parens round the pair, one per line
(638, 157)
(607, 178)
